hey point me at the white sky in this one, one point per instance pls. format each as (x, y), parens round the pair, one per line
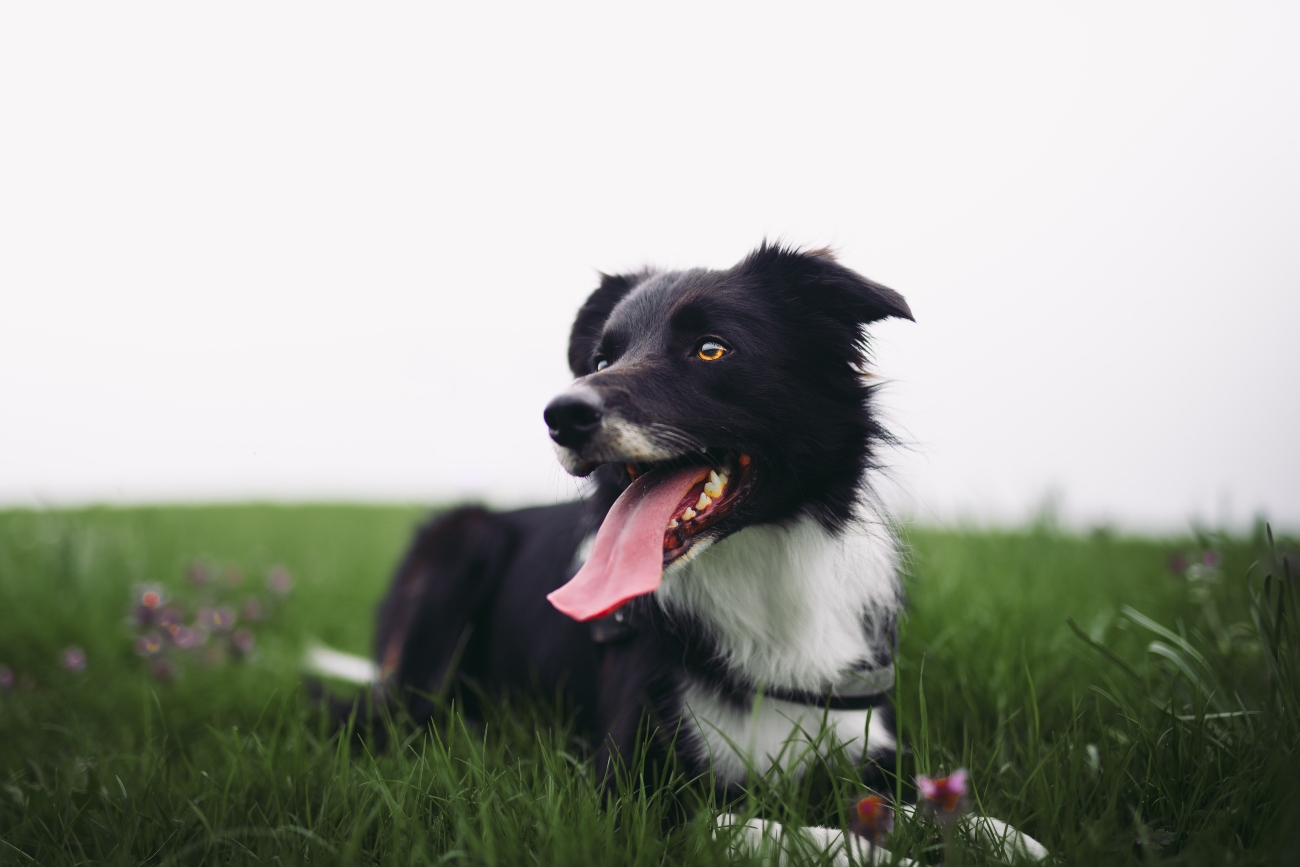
(301, 251)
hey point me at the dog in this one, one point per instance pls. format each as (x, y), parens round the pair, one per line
(729, 584)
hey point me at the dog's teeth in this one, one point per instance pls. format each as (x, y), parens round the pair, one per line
(674, 524)
(688, 514)
(716, 484)
(704, 502)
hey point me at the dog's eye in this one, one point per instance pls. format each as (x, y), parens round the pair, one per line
(711, 350)
(601, 363)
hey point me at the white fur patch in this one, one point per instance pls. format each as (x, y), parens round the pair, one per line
(322, 661)
(773, 843)
(787, 606)
(763, 838)
(621, 441)
(774, 733)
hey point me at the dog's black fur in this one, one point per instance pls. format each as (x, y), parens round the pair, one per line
(469, 600)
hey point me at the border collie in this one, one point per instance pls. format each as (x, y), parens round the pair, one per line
(729, 546)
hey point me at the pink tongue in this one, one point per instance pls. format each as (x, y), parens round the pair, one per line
(627, 560)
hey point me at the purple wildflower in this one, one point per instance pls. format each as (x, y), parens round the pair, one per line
(186, 637)
(74, 659)
(199, 573)
(7, 679)
(252, 609)
(170, 617)
(147, 602)
(221, 618)
(872, 819)
(149, 645)
(946, 796)
(280, 581)
(242, 643)
(162, 669)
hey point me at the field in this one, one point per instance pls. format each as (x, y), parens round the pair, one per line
(1161, 727)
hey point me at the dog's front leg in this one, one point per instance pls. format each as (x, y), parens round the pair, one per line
(760, 837)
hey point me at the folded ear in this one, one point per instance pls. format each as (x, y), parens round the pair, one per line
(591, 318)
(816, 277)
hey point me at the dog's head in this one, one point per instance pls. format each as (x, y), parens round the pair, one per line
(718, 400)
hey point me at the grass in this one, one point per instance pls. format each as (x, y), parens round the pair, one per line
(1117, 711)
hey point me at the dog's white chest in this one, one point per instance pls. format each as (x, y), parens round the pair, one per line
(790, 607)
(774, 733)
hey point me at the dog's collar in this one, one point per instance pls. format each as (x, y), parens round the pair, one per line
(858, 690)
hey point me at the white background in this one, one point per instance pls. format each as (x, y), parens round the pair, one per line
(303, 251)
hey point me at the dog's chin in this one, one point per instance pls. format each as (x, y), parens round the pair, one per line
(682, 557)
(574, 463)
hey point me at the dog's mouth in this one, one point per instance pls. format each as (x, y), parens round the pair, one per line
(705, 503)
(666, 511)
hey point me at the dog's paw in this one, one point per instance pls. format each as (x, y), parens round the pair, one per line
(774, 844)
(1003, 837)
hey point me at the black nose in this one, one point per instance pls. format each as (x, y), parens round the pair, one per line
(573, 417)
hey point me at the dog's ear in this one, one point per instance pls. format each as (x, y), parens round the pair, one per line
(816, 277)
(592, 316)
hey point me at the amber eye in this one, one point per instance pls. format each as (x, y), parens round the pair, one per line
(711, 350)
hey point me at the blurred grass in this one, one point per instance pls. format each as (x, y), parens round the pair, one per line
(233, 764)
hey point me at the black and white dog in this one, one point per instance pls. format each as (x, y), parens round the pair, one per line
(729, 546)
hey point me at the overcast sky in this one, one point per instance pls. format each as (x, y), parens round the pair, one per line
(304, 251)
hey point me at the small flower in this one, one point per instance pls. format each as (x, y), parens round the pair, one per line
(1211, 559)
(242, 643)
(74, 659)
(151, 597)
(199, 573)
(946, 796)
(149, 645)
(221, 618)
(162, 669)
(872, 819)
(280, 581)
(252, 609)
(7, 679)
(170, 617)
(186, 637)
(1178, 564)
(144, 611)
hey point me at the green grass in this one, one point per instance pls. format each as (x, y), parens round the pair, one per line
(1105, 745)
